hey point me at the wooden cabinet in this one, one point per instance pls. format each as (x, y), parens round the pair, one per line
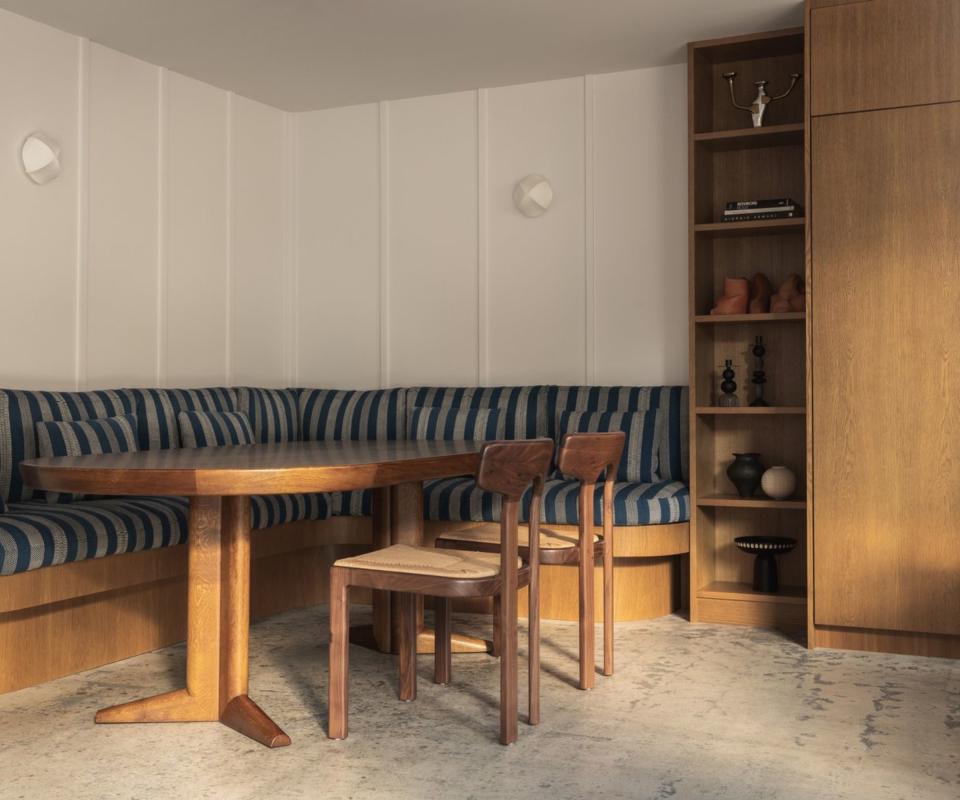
(886, 369)
(876, 54)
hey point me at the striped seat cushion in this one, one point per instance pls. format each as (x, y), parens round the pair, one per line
(214, 428)
(157, 411)
(273, 413)
(347, 415)
(20, 411)
(640, 459)
(673, 451)
(358, 503)
(85, 438)
(448, 424)
(34, 535)
(523, 409)
(459, 500)
(276, 509)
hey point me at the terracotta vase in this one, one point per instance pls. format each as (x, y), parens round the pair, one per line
(736, 296)
(760, 291)
(791, 297)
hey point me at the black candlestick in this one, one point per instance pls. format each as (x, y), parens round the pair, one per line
(729, 386)
(759, 375)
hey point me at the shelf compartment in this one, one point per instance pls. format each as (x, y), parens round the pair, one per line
(735, 501)
(761, 227)
(761, 410)
(733, 590)
(730, 319)
(751, 138)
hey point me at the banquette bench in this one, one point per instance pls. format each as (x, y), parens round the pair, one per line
(64, 608)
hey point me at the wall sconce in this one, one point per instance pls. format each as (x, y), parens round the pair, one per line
(40, 156)
(533, 195)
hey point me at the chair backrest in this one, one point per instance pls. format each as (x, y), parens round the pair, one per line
(585, 456)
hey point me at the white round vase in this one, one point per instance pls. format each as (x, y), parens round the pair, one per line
(778, 483)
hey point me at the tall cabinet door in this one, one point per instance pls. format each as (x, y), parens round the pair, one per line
(886, 369)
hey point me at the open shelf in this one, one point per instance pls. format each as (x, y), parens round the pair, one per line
(749, 138)
(728, 319)
(760, 227)
(734, 590)
(768, 410)
(735, 501)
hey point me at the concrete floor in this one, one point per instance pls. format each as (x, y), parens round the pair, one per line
(694, 711)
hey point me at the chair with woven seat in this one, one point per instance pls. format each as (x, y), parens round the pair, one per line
(583, 456)
(508, 469)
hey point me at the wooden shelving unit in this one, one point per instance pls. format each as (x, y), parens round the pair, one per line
(731, 162)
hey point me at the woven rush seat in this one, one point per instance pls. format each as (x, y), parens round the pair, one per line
(488, 535)
(427, 561)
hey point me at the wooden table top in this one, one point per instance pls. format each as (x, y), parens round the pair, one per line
(289, 468)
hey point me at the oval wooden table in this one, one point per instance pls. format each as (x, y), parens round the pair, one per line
(218, 482)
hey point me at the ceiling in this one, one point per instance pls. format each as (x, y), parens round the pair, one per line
(308, 54)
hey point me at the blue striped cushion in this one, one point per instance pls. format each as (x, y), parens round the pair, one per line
(448, 424)
(640, 450)
(157, 411)
(523, 409)
(633, 503)
(85, 438)
(347, 415)
(273, 413)
(460, 500)
(268, 510)
(674, 448)
(34, 535)
(20, 411)
(214, 428)
(358, 503)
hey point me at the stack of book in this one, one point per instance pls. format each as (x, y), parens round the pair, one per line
(751, 210)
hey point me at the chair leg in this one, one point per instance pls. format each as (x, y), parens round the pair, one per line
(508, 668)
(533, 643)
(587, 622)
(339, 654)
(607, 607)
(442, 663)
(497, 630)
(408, 646)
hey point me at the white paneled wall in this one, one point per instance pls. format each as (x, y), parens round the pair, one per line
(413, 266)
(196, 237)
(173, 210)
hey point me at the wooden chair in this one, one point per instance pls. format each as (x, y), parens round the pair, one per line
(583, 456)
(506, 468)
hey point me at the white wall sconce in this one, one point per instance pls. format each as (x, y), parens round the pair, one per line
(40, 156)
(533, 195)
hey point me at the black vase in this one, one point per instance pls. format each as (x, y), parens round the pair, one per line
(745, 473)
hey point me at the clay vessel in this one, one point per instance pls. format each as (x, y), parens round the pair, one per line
(736, 295)
(760, 291)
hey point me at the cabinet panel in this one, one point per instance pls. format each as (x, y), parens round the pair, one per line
(886, 369)
(884, 54)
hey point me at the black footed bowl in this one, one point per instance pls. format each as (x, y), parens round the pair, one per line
(765, 548)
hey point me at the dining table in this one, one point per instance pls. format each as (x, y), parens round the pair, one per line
(219, 482)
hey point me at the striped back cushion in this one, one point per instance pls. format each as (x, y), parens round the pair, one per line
(273, 413)
(639, 462)
(448, 424)
(674, 449)
(523, 409)
(214, 428)
(85, 438)
(157, 411)
(348, 415)
(20, 411)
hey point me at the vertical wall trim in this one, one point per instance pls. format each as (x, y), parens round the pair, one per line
(483, 230)
(162, 158)
(292, 170)
(83, 212)
(590, 226)
(228, 278)
(384, 244)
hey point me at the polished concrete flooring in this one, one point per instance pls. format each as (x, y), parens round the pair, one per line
(694, 711)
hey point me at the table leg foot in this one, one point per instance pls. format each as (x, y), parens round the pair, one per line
(246, 717)
(176, 706)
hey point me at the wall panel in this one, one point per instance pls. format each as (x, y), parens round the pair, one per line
(195, 210)
(432, 185)
(338, 257)
(122, 270)
(38, 234)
